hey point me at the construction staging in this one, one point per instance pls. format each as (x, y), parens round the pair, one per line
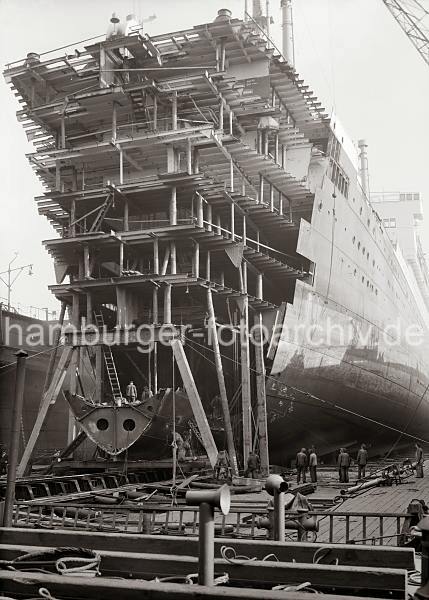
(206, 207)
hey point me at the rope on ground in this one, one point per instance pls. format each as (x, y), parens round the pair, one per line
(229, 554)
(322, 553)
(302, 587)
(414, 577)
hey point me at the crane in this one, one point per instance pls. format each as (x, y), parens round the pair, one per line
(413, 18)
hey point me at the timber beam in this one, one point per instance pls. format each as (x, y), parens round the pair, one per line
(258, 573)
(302, 552)
(112, 589)
(146, 334)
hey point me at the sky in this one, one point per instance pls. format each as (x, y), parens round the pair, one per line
(351, 53)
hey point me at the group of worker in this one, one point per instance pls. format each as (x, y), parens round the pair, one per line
(132, 394)
(307, 459)
(222, 468)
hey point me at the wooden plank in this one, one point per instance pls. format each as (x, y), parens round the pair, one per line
(352, 554)
(112, 589)
(252, 574)
(221, 383)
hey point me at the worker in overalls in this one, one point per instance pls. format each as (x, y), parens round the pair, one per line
(253, 465)
(312, 461)
(344, 465)
(222, 468)
(419, 460)
(362, 459)
(131, 392)
(301, 465)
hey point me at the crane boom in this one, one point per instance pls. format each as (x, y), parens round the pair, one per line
(413, 18)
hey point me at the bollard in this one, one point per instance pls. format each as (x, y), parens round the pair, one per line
(423, 592)
(21, 357)
(207, 501)
(276, 486)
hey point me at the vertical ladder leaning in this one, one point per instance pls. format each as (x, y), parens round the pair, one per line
(110, 363)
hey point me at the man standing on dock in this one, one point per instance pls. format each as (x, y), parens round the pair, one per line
(301, 465)
(344, 465)
(253, 465)
(313, 464)
(362, 459)
(419, 460)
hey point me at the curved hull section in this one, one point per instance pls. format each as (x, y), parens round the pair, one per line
(112, 428)
(329, 393)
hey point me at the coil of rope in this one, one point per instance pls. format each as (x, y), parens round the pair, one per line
(83, 567)
(229, 554)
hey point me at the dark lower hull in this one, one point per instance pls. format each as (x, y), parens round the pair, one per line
(341, 413)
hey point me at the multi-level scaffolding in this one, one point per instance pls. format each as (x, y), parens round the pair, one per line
(175, 172)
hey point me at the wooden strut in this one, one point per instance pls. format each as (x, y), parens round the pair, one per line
(195, 401)
(49, 398)
(261, 398)
(245, 369)
(221, 383)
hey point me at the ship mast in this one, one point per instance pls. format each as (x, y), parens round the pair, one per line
(287, 26)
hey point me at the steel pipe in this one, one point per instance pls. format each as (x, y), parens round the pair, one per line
(207, 501)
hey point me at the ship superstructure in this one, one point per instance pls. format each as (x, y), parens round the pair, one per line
(194, 179)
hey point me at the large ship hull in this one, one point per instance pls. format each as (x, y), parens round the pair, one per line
(331, 396)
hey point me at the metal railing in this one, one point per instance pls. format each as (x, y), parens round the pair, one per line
(333, 527)
(34, 312)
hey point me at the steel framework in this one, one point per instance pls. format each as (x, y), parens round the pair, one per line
(413, 18)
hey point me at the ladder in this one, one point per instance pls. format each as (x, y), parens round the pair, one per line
(196, 432)
(102, 213)
(110, 363)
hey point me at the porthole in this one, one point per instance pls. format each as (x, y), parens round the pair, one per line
(129, 424)
(358, 245)
(363, 279)
(354, 239)
(102, 424)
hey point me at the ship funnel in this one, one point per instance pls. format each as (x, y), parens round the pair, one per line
(115, 28)
(287, 26)
(224, 14)
(363, 168)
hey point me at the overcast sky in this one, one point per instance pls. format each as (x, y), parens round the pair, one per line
(350, 52)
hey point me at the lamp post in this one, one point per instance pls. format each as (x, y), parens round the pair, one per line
(10, 279)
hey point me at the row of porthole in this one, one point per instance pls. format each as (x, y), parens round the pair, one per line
(363, 250)
(128, 424)
(368, 283)
(367, 255)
